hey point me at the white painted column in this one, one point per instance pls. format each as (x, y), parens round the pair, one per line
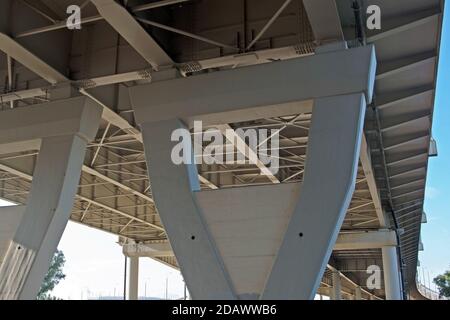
(333, 156)
(391, 273)
(133, 279)
(49, 205)
(336, 293)
(358, 293)
(173, 188)
(62, 129)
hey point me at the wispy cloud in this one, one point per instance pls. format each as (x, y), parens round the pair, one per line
(431, 219)
(431, 193)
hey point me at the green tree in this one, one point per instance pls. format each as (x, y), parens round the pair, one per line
(443, 282)
(54, 276)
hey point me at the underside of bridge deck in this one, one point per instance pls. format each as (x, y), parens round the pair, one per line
(282, 65)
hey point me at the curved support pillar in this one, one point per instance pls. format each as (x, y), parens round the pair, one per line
(330, 177)
(173, 188)
(55, 182)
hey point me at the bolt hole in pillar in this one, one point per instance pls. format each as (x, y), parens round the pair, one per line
(193, 238)
(300, 234)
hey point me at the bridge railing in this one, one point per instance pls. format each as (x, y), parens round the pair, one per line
(429, 293)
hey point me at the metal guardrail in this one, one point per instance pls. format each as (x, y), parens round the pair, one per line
(428, 293)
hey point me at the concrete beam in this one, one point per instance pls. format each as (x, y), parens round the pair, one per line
(321, 209)
(345, 241)
(248, 93)
(151, 250)
(365, 240)
(56, 118)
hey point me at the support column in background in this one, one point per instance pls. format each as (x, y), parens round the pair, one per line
(133, 282)
(62, 129)
(49, 205)
(391, 273)
(336, 293)
(358, 293)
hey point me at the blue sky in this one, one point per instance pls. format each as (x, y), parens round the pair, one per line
(436, 233)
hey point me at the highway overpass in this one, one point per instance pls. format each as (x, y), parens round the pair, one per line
(86, 111)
